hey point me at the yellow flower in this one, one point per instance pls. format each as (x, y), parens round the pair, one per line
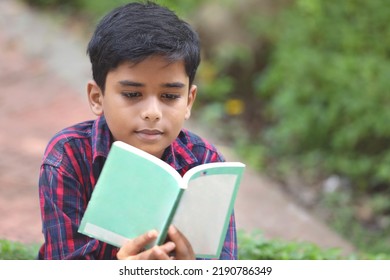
(234, 107)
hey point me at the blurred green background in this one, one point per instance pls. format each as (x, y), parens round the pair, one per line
(302, 88)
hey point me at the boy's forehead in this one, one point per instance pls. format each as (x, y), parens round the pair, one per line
(161, 67)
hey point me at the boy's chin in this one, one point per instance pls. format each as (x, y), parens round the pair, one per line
(154, 151)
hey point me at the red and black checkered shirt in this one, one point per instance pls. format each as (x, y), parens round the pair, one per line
(71, 166)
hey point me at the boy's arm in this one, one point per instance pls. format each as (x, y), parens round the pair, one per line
(63, 202)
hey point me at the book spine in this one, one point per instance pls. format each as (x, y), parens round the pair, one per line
(164, 231)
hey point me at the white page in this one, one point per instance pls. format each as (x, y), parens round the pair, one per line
(203, 209)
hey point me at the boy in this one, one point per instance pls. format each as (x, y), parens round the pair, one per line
(144, 61)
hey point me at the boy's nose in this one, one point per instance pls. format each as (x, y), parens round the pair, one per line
(151, 110)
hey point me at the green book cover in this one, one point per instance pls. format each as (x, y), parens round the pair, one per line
(137, 192)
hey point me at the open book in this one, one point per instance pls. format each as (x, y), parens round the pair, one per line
(137, 192)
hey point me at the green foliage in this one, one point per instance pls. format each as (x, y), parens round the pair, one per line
(230, 70)
(363, 222)
(253, 246)
(327, 86)
(17, 251)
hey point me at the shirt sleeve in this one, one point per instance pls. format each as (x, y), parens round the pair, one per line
(62, 205)
(229, 250)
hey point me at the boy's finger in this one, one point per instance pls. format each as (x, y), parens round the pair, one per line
(155, 253)
(183, 247)
(177, 237)
(136, 245)
(159, 252)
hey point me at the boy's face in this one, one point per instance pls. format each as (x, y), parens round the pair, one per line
(145, 104)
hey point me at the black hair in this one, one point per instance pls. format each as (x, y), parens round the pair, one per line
(136, 31)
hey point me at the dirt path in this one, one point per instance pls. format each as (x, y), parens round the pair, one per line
(43, 71)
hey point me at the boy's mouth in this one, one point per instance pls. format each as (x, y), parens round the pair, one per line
(149, 135)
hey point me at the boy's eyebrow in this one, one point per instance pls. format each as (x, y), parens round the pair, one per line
(174, 85)
(165, 85)
(131, 83)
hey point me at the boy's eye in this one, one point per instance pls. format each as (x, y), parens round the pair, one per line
(170, 96)
(131, 94)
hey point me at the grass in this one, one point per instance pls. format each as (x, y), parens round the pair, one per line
(253, 246)
(10, 250)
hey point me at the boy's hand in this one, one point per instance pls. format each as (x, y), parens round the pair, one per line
(133, 249)
(183, 250)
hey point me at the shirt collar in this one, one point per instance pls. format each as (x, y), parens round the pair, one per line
(101, 138)
(178, 155)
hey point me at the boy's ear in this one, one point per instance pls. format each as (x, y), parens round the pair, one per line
(191, 99)
(95, 98)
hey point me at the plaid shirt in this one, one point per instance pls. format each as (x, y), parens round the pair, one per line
(71, 166)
